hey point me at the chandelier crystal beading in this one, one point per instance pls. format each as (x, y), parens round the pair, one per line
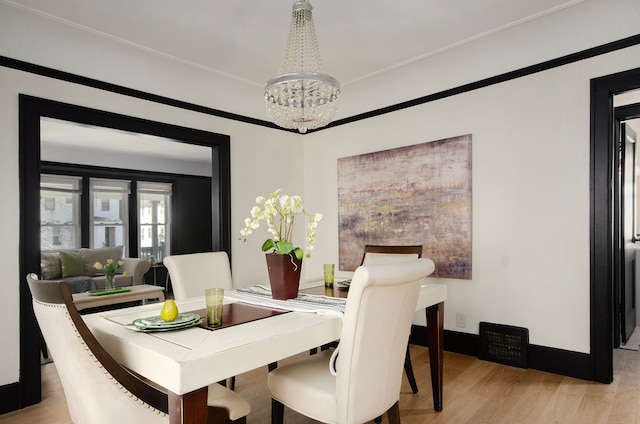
(302, 96)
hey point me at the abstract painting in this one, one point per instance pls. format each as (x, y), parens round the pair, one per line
(419, 194)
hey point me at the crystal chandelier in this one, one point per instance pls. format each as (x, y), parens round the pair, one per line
(302, 96)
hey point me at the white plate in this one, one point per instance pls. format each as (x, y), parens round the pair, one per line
(176, 327)
(156, 322)
(343, 284)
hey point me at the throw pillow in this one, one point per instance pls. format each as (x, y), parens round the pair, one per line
(72, 265)
(50, 266)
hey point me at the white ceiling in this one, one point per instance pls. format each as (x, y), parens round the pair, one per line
(245, 39)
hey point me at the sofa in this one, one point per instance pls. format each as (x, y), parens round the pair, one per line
(76, 267)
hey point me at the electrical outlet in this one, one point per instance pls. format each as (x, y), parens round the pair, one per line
(461, 320)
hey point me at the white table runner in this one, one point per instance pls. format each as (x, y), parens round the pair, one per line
(261, 295)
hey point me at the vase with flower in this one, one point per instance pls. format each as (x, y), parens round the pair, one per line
(284, 259)
(110, 270)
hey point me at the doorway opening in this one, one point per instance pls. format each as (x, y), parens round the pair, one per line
(604, 154)
(32, 110)
(626, 126)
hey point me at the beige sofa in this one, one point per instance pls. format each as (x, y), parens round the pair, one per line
(76, 267)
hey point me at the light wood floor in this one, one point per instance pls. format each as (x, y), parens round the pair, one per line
(475, 392)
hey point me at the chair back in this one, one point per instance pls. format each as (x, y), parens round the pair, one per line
(375, 332)
(378, 254)
(191, 274)
(97, 388)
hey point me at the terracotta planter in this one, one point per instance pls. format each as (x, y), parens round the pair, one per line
(284, 275)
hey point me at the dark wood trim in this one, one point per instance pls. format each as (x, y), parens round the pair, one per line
(132, 242)
(29, 248)
(560, 361)
(222, 170)
(602, 151)
(119, 89)
(454, 341)
(463, 343)
(9, 397)
(623, 113)
(85, 207)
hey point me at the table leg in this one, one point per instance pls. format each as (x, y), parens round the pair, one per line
(435, 330)
(190, 408)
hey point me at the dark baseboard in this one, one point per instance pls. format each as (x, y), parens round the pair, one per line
(560, 361)
(542, 358)
(464, 343)
(9, 397)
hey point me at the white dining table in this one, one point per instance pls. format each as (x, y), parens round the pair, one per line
(186, 361)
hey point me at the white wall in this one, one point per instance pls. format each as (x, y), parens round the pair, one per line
(530, 194)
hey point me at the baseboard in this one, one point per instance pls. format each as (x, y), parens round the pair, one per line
(542, 358)
(9, 397)
(560, 361)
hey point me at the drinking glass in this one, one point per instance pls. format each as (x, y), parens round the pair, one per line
(328, 274)
(213, 302)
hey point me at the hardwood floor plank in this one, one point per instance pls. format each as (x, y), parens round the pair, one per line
(624, 407)
(534, 391)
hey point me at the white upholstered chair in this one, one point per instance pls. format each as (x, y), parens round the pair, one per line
(192, 273)
(383, 254)
(368, 368)
(98, 389)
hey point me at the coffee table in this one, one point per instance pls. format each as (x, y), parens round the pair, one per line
(142, 292)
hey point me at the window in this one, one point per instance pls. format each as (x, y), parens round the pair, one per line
(154, 205)
(109, 212)
(50, 204)
(59, 212)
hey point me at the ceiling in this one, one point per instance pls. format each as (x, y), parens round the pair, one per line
(245, 39)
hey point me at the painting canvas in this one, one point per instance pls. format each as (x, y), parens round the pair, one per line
(419, 194)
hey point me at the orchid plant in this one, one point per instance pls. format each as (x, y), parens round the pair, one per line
(279, 212)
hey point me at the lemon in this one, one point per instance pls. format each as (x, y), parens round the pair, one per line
(169, 310)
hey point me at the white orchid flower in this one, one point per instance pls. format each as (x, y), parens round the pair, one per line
(278, 211)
